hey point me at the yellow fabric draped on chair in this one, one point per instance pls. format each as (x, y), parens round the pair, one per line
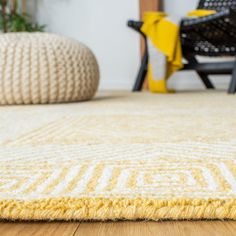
(164, 46)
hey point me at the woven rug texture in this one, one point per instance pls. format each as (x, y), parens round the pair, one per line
(121, 156)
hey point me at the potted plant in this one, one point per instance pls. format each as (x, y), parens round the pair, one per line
(14, 17)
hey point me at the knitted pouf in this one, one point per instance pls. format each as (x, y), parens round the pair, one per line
(39, 68)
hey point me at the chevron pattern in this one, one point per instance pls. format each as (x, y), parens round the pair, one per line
(133, 146)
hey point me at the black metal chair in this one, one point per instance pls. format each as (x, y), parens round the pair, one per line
(213, 35)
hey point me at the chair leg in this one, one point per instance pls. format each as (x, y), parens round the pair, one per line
(232, 86)
(206, 81)
(142, 73)
(204, 77)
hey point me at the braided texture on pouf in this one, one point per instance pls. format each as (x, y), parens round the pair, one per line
(39, 68)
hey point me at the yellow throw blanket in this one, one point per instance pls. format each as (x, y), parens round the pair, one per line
(164, 45)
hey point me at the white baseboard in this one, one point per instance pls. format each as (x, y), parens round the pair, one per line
(116, 85)
(180, 81)
(190, 80)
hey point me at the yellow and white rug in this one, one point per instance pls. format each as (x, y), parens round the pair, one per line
(120, 156)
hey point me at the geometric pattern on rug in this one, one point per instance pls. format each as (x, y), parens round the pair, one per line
(124, 156)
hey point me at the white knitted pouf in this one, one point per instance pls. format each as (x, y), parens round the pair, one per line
(39, 68)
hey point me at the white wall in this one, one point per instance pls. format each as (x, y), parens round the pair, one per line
(179, 7)
(102, 26)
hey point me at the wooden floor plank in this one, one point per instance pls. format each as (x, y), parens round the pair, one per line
(167, 228)
(38, 229)
(112, 229)
(184, 228)
(194, 228)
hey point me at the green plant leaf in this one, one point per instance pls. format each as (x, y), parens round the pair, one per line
(16, 21)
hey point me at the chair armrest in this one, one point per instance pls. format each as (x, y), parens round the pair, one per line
(189, 23)
(135, 25)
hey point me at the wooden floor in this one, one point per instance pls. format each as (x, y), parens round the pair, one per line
(201, 228)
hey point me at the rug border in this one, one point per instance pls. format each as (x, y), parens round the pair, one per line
(117, 209)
